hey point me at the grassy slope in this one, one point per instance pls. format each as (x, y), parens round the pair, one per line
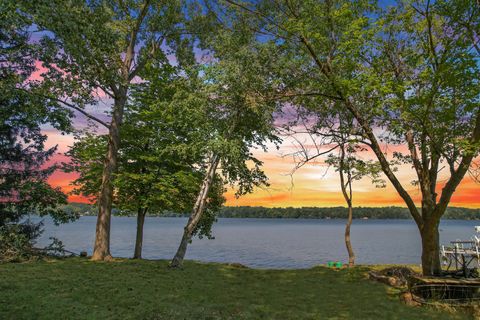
(128, 289)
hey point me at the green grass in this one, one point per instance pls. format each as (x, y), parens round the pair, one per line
(127, 289)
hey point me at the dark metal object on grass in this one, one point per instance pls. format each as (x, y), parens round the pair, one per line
(432, 290)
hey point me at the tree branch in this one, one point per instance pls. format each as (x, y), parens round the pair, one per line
(69, 105)
(462, 169)
(86, 114)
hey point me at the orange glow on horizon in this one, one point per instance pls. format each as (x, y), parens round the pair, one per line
(314, 185)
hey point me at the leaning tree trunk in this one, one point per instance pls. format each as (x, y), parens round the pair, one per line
(430, 247)
(348, 195)
(197, 212)
(348, 243)
(139, 239)
(102, 235)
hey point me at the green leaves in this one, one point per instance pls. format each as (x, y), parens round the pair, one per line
(24, 167)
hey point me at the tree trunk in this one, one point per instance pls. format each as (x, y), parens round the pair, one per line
(430, 248)
(348, 195)
(197, 212)
(177, 261)
(139, 239)
(102, 235)
(348, 243)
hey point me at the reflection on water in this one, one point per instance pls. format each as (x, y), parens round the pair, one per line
(264, 243)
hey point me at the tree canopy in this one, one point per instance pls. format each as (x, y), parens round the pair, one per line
(24, 167)
(402, 73)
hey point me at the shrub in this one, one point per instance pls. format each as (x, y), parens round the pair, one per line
(17, 241)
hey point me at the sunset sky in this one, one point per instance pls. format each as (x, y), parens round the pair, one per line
(311, 185)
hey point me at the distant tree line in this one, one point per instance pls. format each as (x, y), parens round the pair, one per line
(338, 213)
(292, 213)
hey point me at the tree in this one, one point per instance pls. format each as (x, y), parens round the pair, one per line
(95, 49)
(148, 179)
(330, 131)
(159, 164)
(350, 169)
(24, 167)
(403, 70)
(431, 89)
(239, 118)
(152, 177)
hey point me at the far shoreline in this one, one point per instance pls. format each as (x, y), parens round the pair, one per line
(321, 213)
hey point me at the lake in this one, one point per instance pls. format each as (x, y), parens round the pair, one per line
(264, 243)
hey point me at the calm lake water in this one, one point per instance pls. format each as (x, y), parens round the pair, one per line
(264, 243)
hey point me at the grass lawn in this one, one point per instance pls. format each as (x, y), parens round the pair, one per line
(76, 288)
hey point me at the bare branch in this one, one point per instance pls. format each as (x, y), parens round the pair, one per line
(86, 114)
(69, 105)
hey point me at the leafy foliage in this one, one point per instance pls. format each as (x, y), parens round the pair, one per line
(162, 151)
(17, 241)
(23, 156)
(407, 74)
(85, 48)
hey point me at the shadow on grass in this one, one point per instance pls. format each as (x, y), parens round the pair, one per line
(136, 289)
